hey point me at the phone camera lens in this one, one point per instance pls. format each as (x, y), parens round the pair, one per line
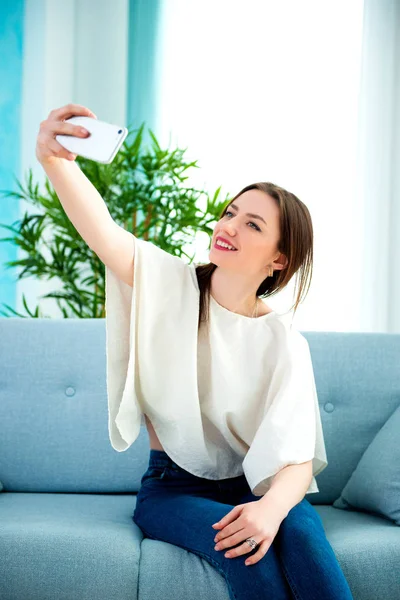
(119, 130)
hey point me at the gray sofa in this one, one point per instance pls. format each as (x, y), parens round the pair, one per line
(66, 528)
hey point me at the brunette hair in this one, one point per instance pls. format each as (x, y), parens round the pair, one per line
(295, 242)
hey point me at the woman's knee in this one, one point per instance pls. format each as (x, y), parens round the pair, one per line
(302, 523)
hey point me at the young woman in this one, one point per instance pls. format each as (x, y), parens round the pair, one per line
(225, 384)
(228, 392)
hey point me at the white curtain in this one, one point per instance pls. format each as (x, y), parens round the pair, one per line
(378, 180)
(69, 56)
(301, 94)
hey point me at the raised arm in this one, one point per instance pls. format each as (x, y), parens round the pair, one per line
(80, 200)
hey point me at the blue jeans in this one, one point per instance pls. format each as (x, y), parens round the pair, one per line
(177, 507)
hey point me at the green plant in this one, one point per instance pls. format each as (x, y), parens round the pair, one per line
(147, 182)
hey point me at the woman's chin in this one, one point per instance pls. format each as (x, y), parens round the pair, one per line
(217, 258)
(214, 256)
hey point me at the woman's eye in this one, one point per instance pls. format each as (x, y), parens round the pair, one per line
(256, 226)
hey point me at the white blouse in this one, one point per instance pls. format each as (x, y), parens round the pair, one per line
(236, 397)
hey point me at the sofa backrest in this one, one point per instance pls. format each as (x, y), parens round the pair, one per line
(54, 416)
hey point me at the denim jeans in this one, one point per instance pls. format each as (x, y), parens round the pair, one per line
(177, 507)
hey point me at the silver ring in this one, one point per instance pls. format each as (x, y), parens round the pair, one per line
(252, 543)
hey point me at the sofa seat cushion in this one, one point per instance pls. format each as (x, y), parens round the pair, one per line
(85, 546)
(368, 549)
(171, 572)
(68, 546)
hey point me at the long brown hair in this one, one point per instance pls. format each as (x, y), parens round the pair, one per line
(295, 242)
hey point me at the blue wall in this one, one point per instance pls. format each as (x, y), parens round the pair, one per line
(11, 51)
(144, 22)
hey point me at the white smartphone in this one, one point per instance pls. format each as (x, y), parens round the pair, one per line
(103, 143)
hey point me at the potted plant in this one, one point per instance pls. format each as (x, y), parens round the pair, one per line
(145, 192)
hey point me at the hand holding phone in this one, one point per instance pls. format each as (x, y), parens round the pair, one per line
(66, 122)
(101, 145)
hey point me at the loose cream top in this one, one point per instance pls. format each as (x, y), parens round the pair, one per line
(235, 397)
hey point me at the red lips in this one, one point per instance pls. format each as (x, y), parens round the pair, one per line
(225, 240)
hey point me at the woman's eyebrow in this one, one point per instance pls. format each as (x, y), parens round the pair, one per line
(250, 214)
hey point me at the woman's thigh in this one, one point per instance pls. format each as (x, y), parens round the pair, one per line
(180, 508)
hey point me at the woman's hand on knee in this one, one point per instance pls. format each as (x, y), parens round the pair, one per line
(251, 520)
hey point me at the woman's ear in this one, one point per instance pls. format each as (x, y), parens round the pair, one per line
(281, 262)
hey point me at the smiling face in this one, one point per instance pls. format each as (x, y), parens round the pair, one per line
(255, 237)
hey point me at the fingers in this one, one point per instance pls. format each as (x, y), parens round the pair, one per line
(234, 540)
(59, 151)
(244, 548)
(57, 127)
(70, 110)
(230, 539)
(229, 517)
(261, 552)
(47, 147)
